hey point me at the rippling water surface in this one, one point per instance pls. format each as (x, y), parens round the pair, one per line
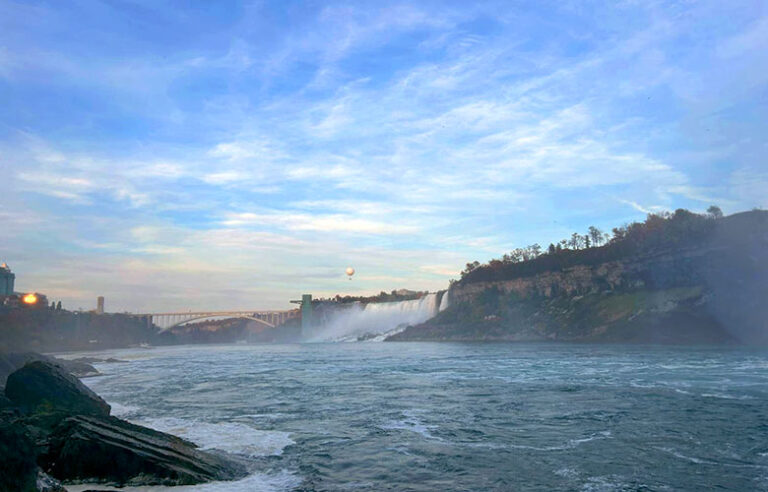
(429, 416)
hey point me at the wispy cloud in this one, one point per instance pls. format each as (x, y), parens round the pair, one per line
(270, 150)
(320, 223)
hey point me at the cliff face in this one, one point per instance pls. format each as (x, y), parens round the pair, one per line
(655, 272)
(710, 292)
(46, 330)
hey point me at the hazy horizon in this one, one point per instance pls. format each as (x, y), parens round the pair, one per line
(242, 153)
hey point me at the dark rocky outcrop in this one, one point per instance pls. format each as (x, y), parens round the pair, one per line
(44, 386)
(5, 402)
(9, 362)
(77, 368)
(18, 469)
(46, 483)
(49, 419)
(92, 360)
(115, 451)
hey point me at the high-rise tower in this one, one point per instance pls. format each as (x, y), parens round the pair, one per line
(7, 279)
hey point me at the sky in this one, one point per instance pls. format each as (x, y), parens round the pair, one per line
(234, 155)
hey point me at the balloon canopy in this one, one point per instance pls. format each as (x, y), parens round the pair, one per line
(350, 271)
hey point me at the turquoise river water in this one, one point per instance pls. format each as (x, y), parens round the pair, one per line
(445, 416)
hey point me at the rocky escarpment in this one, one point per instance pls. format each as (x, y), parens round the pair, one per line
(708, 291)
(654, 272)
(53, 428)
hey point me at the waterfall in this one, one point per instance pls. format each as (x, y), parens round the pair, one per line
(444, 301)
(374, 321)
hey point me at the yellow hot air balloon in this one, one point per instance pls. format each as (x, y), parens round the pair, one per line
(350, 271)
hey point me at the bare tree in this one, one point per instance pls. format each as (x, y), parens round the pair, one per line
(576, 241)
(596, 235)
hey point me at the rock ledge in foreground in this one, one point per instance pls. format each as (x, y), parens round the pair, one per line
(110, 450)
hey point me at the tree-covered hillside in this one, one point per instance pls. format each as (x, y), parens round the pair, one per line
(659, 232)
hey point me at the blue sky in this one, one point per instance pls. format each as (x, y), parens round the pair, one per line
(176, 155)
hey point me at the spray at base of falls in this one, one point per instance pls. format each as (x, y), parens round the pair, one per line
(374, 321)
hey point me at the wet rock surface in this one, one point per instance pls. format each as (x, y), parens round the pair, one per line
(94, 360)
(18, 469)
(42, 386)
(53, 428)
(10, 362)
(116, 451)
(46, 483)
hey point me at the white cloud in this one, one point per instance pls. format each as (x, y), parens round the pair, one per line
(320, 223)
(250, 149)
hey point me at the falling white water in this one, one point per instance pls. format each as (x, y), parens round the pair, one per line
(444, 301)
(375, 321)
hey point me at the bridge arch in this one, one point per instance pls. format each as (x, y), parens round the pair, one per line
(211, 316)
(167, 320)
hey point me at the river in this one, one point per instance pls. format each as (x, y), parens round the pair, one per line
(450, 416)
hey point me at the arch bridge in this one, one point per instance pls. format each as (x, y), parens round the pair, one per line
(166, 321)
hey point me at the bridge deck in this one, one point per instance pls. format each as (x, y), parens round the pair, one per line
(218, 313)
(169, 320)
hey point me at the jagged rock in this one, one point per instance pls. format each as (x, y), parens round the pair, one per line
(47, 483)
(92, 360)
(18, 470)
(5, 402)
(44, 386)
(13, 361)
(78, 368)
(117, 452)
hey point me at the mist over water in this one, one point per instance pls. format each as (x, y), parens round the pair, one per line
(374, 321)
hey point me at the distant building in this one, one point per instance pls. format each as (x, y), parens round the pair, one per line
(14, 300)
(7, 279)
(30, 300)
(100, 305)
(406, 292)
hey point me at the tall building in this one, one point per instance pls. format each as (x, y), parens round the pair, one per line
(100, 305)
(7, 279)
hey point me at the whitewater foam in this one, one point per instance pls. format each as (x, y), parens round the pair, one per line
(122, 411)
(231, 437)
(279, 481)
(570, 444)
(411, 423)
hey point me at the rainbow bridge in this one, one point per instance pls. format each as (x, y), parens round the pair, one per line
(166, 321)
